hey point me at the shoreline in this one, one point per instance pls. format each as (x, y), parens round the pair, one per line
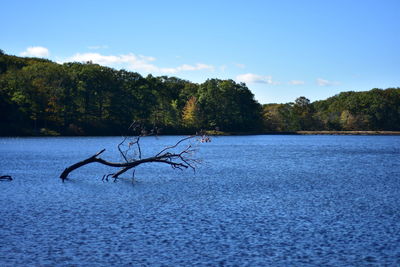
(214, 133)
(219, 133)
(348, 132)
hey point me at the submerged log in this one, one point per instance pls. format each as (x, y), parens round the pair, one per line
(6, 178)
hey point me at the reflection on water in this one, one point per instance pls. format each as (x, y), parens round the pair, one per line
(255, 200)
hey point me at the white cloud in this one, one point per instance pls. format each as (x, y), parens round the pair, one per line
(323, 82)
(296, 82)
(198, 66)
(135, 62)
(36, 51)
(254, 78)
(242, 66)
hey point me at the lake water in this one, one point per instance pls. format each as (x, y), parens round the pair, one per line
(254, 201)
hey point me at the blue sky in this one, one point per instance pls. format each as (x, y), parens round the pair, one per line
(280, 49)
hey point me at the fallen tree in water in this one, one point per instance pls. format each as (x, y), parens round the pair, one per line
(131, 153)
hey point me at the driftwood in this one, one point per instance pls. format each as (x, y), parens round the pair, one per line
(177, 160)
(6, 178)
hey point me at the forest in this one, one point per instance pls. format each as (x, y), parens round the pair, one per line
(41, 97)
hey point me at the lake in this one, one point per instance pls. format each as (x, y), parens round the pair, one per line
(254, 201)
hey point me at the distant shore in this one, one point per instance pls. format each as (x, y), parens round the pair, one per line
(221, 133)
(307, 133)
(348, 132)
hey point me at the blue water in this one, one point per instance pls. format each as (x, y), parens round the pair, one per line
(254, 201)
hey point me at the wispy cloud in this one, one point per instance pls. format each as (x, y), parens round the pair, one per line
(96, 47)
(323, 82)
(36, 51)
(296, 82)
(198, 66)
(136, 63)
(254, 78)
(239, 65)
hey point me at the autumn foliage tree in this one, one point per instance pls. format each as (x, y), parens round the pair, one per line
(190, 114)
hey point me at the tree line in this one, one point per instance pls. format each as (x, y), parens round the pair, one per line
(38, 96)
(374, 110)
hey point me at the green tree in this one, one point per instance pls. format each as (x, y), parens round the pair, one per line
(305, 113)
(228, 106)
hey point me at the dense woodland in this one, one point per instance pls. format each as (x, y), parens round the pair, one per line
(40, 97)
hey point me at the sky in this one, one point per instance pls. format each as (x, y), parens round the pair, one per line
(280, 49)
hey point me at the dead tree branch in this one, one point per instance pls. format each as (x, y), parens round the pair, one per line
(177, 160)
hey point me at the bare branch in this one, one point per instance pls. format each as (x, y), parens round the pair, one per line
(180, 141)
(120, 150)
(177, 160)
